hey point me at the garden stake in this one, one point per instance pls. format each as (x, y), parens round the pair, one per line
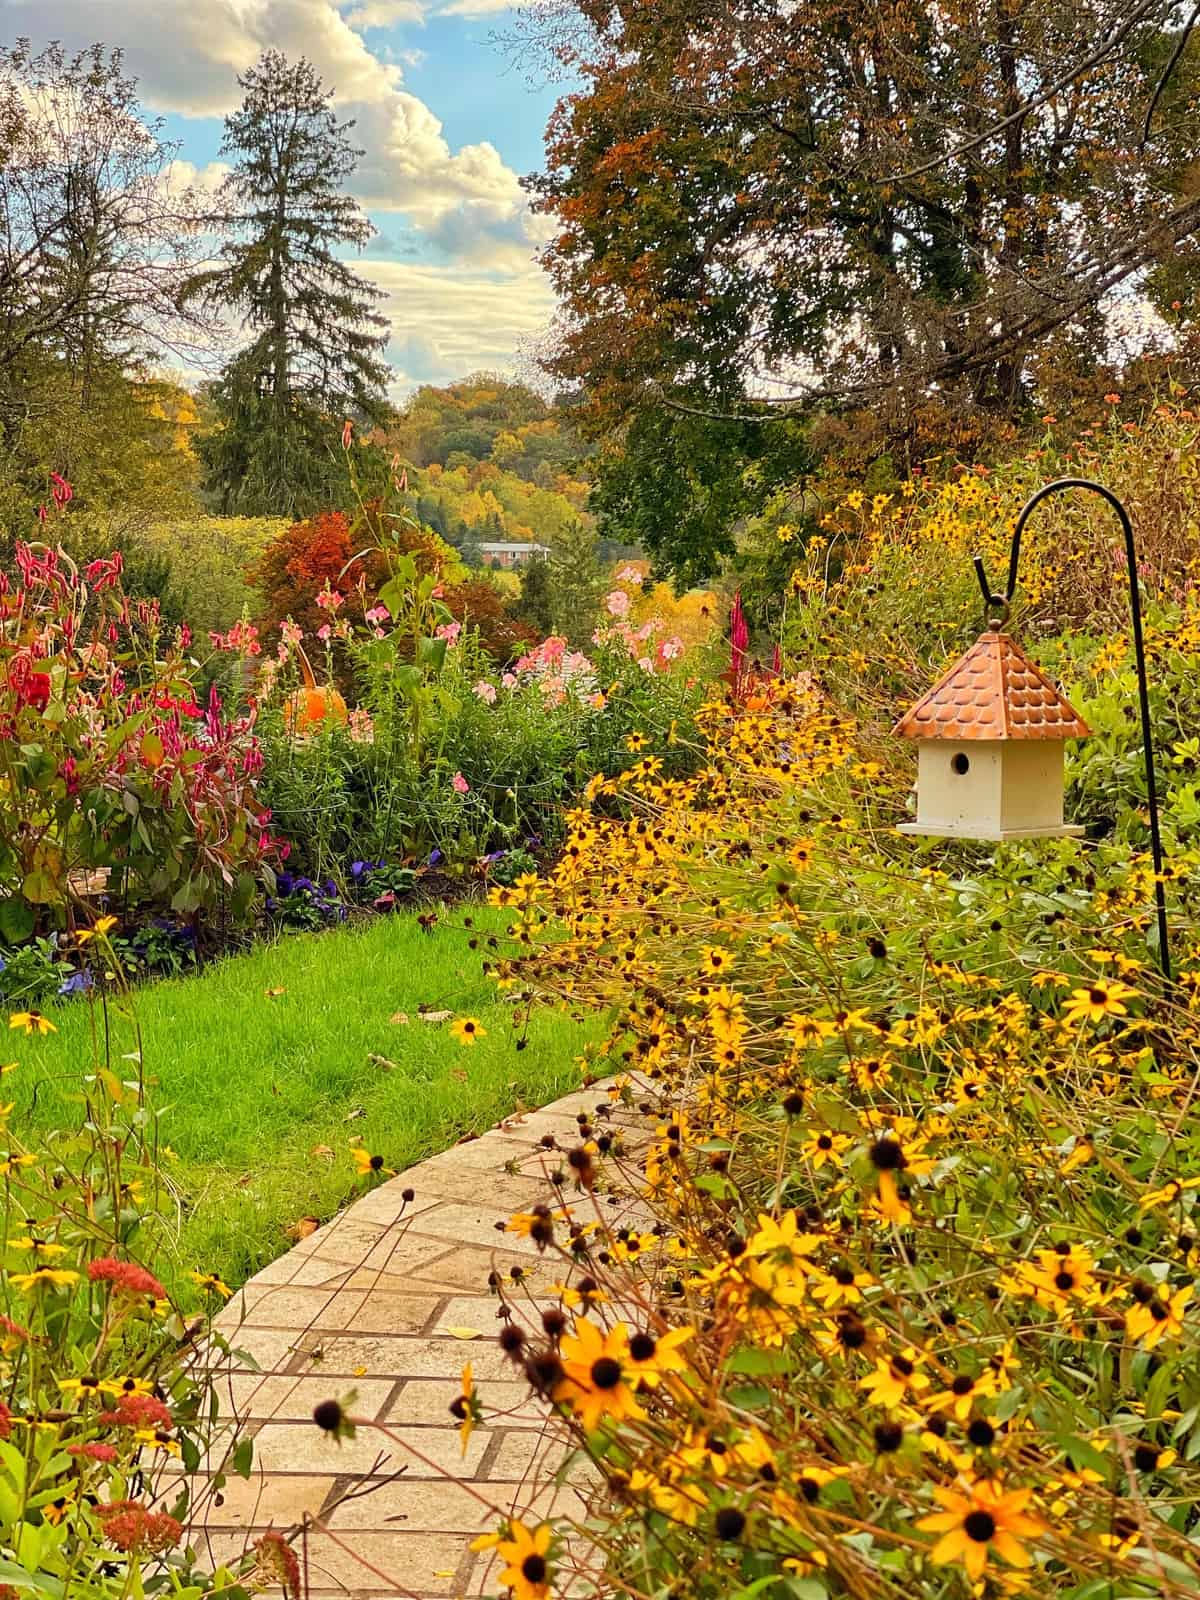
(999, 605)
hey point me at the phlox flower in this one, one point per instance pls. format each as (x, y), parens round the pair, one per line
(485, 691)
(617, 603)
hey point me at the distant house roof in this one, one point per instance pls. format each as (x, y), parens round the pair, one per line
(514, 549)
(993, 692)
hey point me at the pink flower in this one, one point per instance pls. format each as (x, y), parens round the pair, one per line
(509, 680)
(377, 614)
(631, 575)
(617, 603)
(459, 784)
(485, 691)
(329, 599)
(291, 632)
(347, 433)
(449, 631)
(324, 633)
(362, 729)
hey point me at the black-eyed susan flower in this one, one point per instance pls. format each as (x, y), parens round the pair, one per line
(527, 1573)
(894, 1378)
(598, 1376)
(1158, 1317)
(31, 1022)
(367, 1165)
(1105, 998)
(467, 1030)
(210, 1283)
(466, 1409)
(981, 1520)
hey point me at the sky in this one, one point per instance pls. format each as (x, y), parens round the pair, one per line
(449, 125)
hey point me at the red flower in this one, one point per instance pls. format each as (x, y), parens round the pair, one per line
(126, 1275)
(132, 1526)
(94, 1452)
(138, 1411)
(277, 1560)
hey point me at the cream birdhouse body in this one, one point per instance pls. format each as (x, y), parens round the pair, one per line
(990, 737)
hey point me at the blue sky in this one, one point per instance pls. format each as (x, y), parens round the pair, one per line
(449, 124)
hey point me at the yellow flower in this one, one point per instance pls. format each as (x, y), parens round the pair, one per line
(527, 1574)
(889, 1384)
(598, 1375)
(466, 1030)
(41, 1277)
(157, 1440)
(467, 1408)
(211, 1284)
(1158, 1318)
(88, 1385)
(980, 1520)
(1105, 998)
(102, 928)
(32, 1022)
(651, 1357)
(367, 1165)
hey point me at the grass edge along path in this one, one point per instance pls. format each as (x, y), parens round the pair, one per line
(271, 1067)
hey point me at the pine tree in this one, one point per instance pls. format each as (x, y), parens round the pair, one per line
(316, 352)
(576, 581)
(536, 602)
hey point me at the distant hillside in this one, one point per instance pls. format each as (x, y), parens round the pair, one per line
(491, 461)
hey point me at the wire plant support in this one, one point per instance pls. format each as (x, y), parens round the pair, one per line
(999, 605)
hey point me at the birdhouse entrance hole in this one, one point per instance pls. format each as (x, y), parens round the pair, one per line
(961, 763)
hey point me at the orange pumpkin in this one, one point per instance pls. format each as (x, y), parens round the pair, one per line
(306, 709)
(311, 705)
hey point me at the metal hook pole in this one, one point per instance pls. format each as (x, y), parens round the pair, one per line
(1139, 651)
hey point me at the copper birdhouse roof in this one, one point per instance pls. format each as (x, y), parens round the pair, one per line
(993, 692)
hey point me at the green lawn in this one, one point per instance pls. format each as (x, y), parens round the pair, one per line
(255, 1083)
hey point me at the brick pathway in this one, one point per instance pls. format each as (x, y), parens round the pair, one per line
(366, 1303)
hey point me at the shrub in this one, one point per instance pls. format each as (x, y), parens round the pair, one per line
(912, 1308)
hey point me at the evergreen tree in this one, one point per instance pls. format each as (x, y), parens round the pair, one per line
(577, 582)
(536, 602)
(316, 351)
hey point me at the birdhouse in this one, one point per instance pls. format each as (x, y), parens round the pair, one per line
(990, 745)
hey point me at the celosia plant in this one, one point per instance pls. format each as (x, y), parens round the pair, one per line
(107, 758)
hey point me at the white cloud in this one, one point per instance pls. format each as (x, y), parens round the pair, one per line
(409, 165)
(467, 203)
(477, 8)
(450, 321)
(383, 13)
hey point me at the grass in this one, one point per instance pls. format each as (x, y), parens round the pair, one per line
(268, 1065)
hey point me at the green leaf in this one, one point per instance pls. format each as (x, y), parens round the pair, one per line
(40, 1582)
(243, 1458)
(40, 887)
(756, 1363)
(17, 920)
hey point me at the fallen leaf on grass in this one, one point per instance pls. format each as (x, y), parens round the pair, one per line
(303, 1229)
(381, 1061)
(399, 1018)
(323, 1152)
(435, 1016)
(353, 1116)
(271, 993)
